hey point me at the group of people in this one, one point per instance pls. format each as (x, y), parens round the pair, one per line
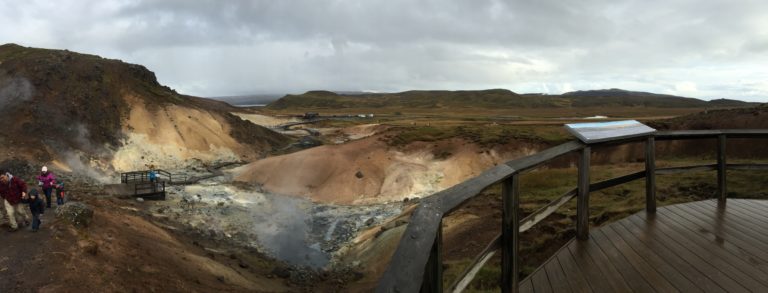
(15, 195)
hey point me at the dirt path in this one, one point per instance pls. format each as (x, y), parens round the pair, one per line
(28, 260)
(125, 251)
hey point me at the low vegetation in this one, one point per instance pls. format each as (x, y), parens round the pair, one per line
(484, 135)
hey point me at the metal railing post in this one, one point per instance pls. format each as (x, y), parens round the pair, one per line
(722, 189)
(650, 174)
(582, 205)
(510, 234)
(433, 276)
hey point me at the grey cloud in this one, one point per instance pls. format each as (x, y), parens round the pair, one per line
(239, 46)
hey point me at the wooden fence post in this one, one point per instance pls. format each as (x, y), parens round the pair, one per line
(510, 234)
(582, 205)
(433, 274)
(722, 190)
(650, 174)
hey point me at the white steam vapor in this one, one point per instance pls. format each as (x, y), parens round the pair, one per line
(14, 90)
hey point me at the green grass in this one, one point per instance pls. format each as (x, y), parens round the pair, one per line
(483, 135)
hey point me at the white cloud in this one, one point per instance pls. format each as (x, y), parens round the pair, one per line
(685, 88)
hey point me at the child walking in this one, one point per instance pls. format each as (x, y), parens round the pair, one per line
(59, 192)
(37, 207)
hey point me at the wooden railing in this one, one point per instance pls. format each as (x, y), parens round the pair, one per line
(417, 262)
(143, 176)
(150, 190)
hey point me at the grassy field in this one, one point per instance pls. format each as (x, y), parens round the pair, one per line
(484, 114)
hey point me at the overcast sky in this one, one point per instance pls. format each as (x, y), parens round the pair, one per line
(697, 48)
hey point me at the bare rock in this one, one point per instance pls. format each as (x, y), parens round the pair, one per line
(89, 246)
(77, 213)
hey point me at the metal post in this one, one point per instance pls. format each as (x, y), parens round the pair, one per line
(510, 234)
(582, 205)
(433, 276)
(721, 186)
(650, 174)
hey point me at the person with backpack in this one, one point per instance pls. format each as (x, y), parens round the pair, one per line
(12, 190)
(37, 208)
(59, 192)
(47, 180)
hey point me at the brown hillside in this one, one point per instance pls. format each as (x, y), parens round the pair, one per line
(56, 103)
(370, 171)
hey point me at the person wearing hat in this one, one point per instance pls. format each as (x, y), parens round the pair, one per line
(12, 190)
(46, 180)
(37, 208)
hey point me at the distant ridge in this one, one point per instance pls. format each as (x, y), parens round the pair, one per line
(614, 92)
(493, 99)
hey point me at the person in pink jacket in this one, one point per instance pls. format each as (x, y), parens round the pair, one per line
(47, 181)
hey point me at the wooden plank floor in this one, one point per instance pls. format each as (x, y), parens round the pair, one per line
(691, 247)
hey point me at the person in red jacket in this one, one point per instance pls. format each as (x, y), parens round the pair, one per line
(12, 190)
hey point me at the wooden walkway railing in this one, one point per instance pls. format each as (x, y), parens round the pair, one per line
(417, 262)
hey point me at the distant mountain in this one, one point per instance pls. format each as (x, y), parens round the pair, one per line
(614, 92)
(493, 98)
(409, 99)
(247, 100)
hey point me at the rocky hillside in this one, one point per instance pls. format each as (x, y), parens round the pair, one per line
(63, 107)
(494, 98)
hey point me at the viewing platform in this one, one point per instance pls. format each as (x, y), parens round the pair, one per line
(691, 247)
(716, 245)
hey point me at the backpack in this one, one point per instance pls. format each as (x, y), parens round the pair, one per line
(59, 188)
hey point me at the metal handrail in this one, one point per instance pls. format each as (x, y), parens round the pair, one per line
(412, 269)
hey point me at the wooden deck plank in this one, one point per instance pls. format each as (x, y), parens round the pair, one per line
(572, 270)
(741, 237)
(760, 202)
(526, 286)
(586, 249)
(740, 209)
(700, 279)
(590, 271)
(691, 247)
(653, 230)
(732, 265)
(727, 221)
(628, 272)
(750, 207)
(663, 267)
(750, 211)
(556, 276)
(541, 282)
(745, 250)
(656, 280)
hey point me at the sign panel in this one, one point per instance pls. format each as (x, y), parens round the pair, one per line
(602, 131)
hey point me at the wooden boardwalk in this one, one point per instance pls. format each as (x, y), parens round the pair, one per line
(691, 247)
